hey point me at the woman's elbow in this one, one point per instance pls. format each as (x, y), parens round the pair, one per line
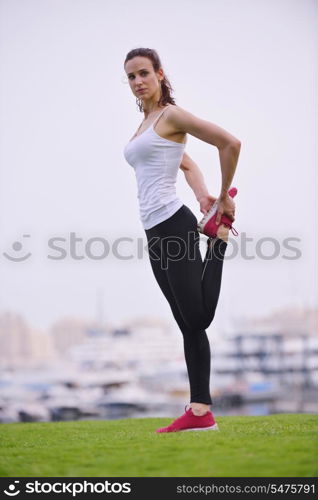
(233, 144)
(236, 144)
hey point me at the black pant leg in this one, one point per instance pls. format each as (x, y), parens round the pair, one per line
(191, 287)
(195, 342)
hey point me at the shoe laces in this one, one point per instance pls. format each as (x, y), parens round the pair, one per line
(176, 420)
(233, 230)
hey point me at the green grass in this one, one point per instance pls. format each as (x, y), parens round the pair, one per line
(274, 445)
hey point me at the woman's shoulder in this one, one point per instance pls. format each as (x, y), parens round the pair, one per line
(178, 116)
(176, 112)
(174, 108)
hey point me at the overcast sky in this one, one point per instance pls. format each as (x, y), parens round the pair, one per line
(66, 114)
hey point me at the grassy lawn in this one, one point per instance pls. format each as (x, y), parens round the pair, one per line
(274, 445)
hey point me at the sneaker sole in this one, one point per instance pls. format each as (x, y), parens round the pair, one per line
(200, 226)
(212, 428)
(207, 217)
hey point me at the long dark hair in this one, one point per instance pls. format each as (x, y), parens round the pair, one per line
(166, 88)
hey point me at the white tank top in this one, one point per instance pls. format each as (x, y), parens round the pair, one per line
(156, 162)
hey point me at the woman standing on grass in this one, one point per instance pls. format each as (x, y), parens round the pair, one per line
(191, 286)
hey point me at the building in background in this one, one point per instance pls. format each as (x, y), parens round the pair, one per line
(21, 345)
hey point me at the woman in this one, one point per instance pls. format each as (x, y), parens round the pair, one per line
(191, 286)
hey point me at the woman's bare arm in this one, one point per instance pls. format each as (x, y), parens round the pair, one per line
(195, 179)
(228, 146)
(193, 176)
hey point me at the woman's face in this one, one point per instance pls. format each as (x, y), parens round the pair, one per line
(141, 75)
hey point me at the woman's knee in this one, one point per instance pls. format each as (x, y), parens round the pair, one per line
(198, 322)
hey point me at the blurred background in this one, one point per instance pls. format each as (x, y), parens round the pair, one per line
(85, 331)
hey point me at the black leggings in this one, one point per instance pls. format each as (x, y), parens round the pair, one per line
(192, 288)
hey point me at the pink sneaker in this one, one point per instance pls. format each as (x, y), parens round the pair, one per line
(208, 225)
(190, 422)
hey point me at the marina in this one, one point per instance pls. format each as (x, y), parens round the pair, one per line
(105, 377)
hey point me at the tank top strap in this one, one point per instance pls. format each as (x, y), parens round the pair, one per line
(156, 119)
